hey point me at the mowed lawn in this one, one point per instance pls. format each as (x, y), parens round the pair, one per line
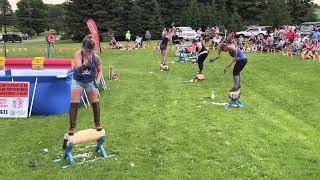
(161, 127)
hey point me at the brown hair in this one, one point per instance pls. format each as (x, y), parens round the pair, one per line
(221, 46)
(88, 42)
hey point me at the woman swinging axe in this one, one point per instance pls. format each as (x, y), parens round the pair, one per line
(202, 55)
(240, 60)
(87, 76)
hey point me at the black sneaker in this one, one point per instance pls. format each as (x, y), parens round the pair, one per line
(234, 89)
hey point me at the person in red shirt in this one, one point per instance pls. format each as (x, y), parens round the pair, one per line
(291, 36)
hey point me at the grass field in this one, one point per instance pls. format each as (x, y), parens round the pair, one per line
(160, 127)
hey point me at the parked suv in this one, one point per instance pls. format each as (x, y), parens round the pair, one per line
(11, 37)
(187, 33)
(255, 30)
(307, 28)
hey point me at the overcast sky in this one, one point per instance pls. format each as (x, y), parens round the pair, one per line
(14, 7)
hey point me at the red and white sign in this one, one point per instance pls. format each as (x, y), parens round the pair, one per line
(94, 31)
(51, 38)
(14, 99)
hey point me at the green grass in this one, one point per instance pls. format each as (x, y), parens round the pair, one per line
(159, 128)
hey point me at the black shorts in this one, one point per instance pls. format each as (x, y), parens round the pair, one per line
(240, 64)
(163, 47)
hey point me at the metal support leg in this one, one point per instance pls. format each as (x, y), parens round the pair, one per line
(100, 146)
(68, 154)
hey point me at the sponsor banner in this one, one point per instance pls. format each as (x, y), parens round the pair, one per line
(14, 99)
(94, 31)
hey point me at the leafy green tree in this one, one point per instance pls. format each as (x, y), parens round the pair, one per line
(277, 13)
(55, 19)
(6, 15)
(301, 11)
(78, 12)
(31, 13)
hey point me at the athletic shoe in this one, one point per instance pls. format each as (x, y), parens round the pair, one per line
(72, 131)
(98, 126)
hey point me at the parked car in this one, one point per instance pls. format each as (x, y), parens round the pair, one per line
(25, 36)
(306, 28)
(255, 30)
(187, 33)
(11, 37)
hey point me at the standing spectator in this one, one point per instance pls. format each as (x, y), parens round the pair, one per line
(275, 34)
(217, 31)
(128, 39)
(148, 37)
(315, 35)
(291, 36)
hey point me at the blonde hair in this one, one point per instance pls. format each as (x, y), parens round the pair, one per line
(88, 42)
(221, 46)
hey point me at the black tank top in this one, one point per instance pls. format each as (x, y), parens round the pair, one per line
(202, 49)
(164, 40)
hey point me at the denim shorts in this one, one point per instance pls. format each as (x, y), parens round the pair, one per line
(87, 86)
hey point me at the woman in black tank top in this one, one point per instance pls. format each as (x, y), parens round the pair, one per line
(163, 47)
(202, 54)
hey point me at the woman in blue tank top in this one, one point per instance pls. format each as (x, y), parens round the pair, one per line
(240, 60)
(87, 76)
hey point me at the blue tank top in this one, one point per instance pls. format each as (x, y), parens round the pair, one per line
(86, 75)
(240, 54)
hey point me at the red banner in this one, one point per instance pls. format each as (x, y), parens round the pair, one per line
(14, 89)
(94, 31)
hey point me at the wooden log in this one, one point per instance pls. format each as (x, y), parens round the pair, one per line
(84, 136)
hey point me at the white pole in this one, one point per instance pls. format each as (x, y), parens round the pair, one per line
(103, 83)
(34, 92)
(85, 94)
(85, 104)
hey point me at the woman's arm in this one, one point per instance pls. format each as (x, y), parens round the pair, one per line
(78, 64)
(99, 68)
(232, 49)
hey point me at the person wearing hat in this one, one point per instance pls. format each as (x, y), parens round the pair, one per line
(240, 60)
(202, 55)
(87, 76)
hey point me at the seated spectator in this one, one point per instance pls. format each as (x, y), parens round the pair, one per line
(114, 44)
(252, 38)
(175, 39)
(241, 40)
(216, 40)
(307, 54)
(138, 42)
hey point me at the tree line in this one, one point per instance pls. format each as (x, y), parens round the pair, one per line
(118, 16)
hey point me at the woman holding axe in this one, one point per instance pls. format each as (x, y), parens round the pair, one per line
(240, 60)
(87, 76)
(163, 48)
(202, 55)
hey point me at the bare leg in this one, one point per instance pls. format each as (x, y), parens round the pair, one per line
(93, 97)
(75, 100)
